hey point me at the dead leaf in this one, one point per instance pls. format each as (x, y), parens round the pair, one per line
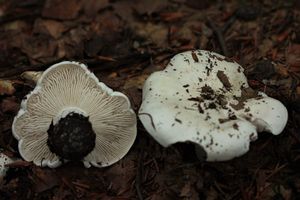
(19, 164)
(293, 56)
(265, 47)
(91, 7)
(6, 87)
(16, 26)
(37, 48)
(187, 191)
(10, 104)
(198, 4)
(121, 175)
(161, 196)
(172, 16)
(286, 193)
(156, 33)
(137, 81)
(114, 43)
(63, 10)
(50, 27)
(149, 7)
(44, 179)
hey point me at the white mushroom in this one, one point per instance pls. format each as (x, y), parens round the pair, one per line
(204, 98)
(4, 160)
(70, 115)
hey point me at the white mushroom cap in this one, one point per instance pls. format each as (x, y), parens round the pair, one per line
(66, 88)
(267, 114)
(204, 98)
(4, 160)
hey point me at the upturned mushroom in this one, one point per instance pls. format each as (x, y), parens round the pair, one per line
(71, 116)
(204, 98)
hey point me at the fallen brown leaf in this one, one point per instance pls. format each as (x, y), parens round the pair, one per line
(91, 7)
(63, 10)
(137, 81)
(10, 104)
(293, 56)
(44, 179)
(50, 27)
(172, 16)
(6, 87)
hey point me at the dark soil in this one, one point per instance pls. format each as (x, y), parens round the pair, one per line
(122, 42)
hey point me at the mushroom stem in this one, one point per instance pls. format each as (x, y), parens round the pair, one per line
(72, 138)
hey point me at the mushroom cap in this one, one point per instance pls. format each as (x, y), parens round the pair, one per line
(204, 98)
(69, 87)
(4, 160)
(267, 114)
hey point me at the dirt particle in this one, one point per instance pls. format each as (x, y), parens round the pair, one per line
(239, 69)
(195, 58)
(178, 120)
(186, 60)
(223, 120)
(247, 93)
(207, 92)
(200, 109)
(224, 79)
(207, 117)
(235, 126)
(212, 105)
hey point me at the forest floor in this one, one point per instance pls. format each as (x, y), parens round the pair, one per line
(123, 42)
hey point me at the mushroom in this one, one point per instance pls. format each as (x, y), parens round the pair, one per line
(70, 115)
(4, 160)
(204, 98)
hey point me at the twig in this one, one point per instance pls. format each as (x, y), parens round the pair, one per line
(139, 177)
(229, 22)
(219, 35)
(151, 119)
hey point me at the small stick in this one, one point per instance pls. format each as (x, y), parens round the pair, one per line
(151, 119)
(218, 33)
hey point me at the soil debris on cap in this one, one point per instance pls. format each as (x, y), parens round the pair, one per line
(246, 93)
(195, 57)
(224, 79)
